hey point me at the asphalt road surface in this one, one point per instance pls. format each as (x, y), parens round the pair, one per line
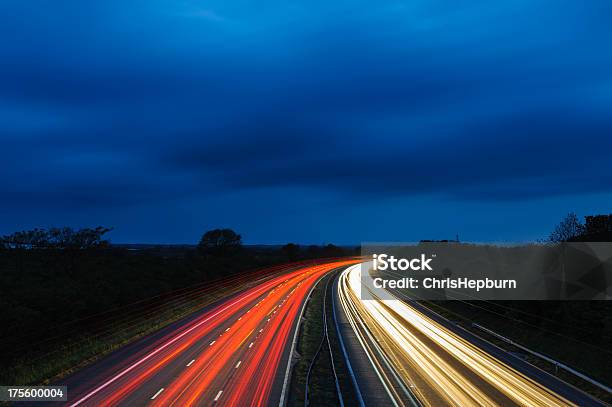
(418, 358)
(233, 353)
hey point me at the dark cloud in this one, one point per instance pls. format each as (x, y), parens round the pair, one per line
(529, 155)
(160, 103)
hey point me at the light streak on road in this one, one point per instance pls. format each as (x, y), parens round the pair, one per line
(230, 355)
(414, 356)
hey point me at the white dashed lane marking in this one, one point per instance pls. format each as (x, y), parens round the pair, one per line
(157, 394)
(218, 395)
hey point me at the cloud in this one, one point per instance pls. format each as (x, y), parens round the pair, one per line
(136, 103)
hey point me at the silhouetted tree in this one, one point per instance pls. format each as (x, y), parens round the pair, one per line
(220, 242)
(291, 250)
(569, 228)
(57, 238)
(66, 243)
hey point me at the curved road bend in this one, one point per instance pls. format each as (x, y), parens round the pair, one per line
(233, 353)
(417, 359)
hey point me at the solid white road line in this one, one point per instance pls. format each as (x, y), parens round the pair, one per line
(157, 394)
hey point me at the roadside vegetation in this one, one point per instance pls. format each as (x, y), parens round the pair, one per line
(68, 297)
(322, 387)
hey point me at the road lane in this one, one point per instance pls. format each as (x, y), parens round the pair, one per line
(233, 353)
(369, 384)
(432, 362)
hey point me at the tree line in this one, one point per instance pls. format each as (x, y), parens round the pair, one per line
(57, 238)
(596, 228)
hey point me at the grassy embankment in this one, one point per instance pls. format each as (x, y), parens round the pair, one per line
(61, 311)
(322, 388)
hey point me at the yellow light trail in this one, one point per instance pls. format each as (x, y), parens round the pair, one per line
(427, 360)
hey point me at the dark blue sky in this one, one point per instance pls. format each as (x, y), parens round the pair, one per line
(307, 121)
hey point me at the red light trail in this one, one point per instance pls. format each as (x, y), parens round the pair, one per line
(230, 355)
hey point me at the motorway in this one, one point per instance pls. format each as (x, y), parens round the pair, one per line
(233, 353)
(416, 359)
(237, 351)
